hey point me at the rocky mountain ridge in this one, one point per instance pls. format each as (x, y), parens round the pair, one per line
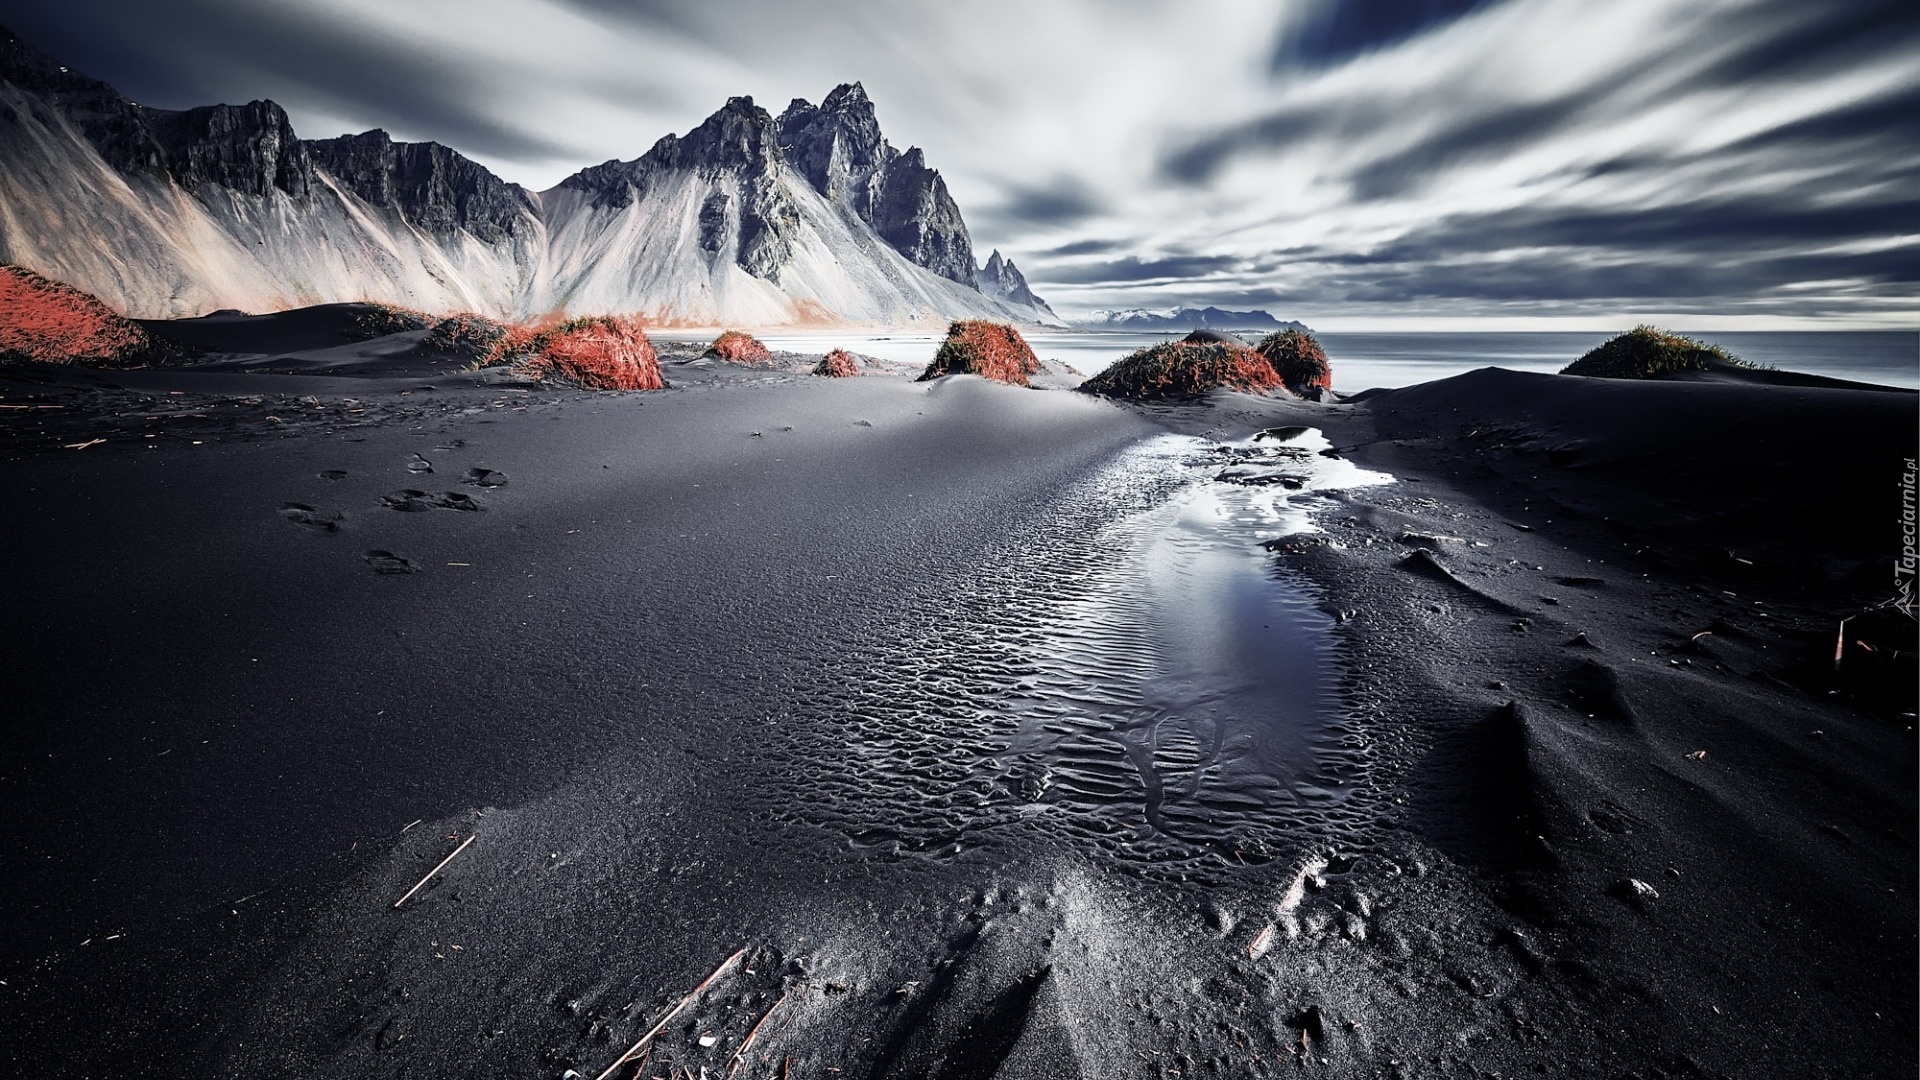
(1187, 318)
(225, 206)
(1001, 278)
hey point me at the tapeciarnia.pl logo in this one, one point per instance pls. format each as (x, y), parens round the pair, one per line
(1904, 567)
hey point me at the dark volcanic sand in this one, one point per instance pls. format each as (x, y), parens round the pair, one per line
(977, 716)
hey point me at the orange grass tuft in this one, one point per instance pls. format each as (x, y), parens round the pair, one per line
(1178, 369)
(49, 322)
(1298, 359)
(838, 364)
(605, 352)
(739, 347)
(990, 350)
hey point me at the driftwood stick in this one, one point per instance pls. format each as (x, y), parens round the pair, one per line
(740, 1055)
(671, 1013)
(435, 870)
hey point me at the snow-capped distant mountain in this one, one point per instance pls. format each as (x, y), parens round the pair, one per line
(1186, 318)
(752, 220)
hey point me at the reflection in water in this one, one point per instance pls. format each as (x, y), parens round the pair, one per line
(1132, 675)
(1190, 691)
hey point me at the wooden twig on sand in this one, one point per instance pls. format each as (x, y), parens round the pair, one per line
(435, 870)
(740, 1055)
(671, 1013)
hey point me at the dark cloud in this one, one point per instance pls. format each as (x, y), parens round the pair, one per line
(198, 52)
(1340, 30)
(1892, 119)
(1715, 231)
(1083, 247)
(1562, 280)
(1061, 202)
(671, 15)
(1471, 139)
(1133, 269)
(1708, 255)
(1794, 39)
(1200, 160)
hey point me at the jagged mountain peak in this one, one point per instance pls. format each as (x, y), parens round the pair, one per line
(847, 97)
(739, 135)
(225, 206)
(1001, 279)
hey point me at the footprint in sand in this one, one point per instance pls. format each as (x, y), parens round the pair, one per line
(486, 478)
(310, 517)
(382, 561)
(454, 500)
(333, 474)
(408, 501)
(419, 466)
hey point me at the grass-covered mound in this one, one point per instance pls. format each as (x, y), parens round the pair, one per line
(49, 322)
(991, 350)
(605, 352)
(739, 347)
(380, 319)
(1182, 369)
(838, 364)
(470, 335)
(1298, 359)
(1647, 352)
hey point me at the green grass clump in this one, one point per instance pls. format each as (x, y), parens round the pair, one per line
(1647, 352)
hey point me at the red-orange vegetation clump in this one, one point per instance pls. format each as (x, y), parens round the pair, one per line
(838, 364)
(739, 347)
(605, 352)
(990, 350)
(49, 322)
(1180, 369)
(1297, 358)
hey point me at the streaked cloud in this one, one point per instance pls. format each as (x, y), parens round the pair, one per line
(1331, 159)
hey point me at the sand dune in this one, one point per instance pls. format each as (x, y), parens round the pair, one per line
(944, 729)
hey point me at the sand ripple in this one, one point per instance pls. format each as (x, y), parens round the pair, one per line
(1128, 672)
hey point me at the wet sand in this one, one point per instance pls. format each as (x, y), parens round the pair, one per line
(1010, 733)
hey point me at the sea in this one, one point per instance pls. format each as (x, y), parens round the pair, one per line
(1362, 361)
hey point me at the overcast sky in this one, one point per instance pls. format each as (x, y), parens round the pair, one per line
(1352, 163)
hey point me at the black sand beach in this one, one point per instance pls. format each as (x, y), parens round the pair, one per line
(946, 729)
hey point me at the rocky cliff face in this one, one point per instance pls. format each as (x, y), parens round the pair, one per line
(248, 148)
(434, 187)
(748, 218)
(752, 221)
(917, 216)
(839, 149)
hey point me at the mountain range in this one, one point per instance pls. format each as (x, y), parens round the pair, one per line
(1187, 318)
(810, 217)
